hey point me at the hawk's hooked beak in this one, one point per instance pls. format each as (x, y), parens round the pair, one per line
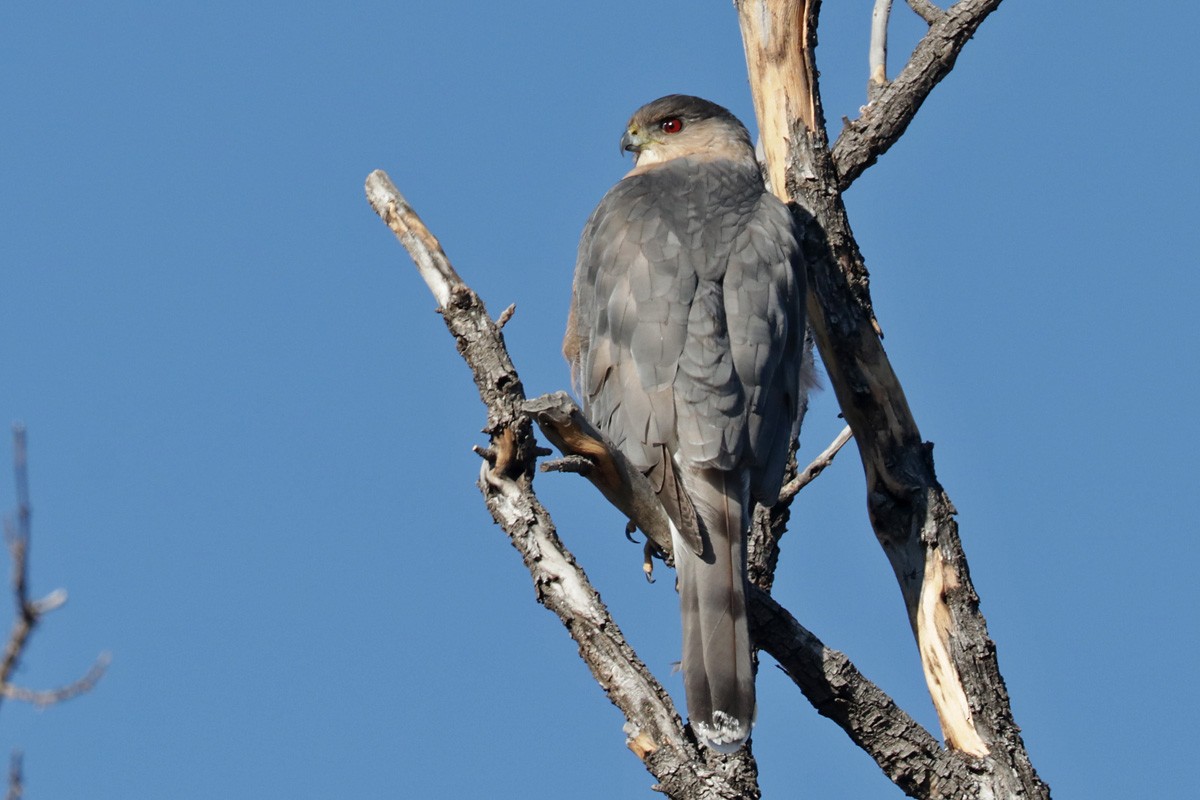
(632, 142)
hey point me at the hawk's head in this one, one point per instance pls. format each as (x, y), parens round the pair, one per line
(681, 125)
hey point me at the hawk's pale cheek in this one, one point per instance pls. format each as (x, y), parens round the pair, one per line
(645, 159)
(650, 155)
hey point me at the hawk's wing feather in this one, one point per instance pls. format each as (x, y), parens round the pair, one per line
(764, 300)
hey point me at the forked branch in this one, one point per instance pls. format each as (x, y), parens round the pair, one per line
(893, 107)
(29, 612)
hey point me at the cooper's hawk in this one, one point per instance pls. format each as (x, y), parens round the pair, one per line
(685, 340)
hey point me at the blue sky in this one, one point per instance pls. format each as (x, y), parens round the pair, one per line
(250, 433)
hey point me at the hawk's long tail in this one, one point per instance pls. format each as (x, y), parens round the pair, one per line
(717, 673)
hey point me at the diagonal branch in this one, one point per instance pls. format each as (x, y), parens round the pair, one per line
(902, 748)
(887, 116)
(818, 465)
(655, 731)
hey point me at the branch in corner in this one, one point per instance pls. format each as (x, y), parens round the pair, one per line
(892, 108)
(17, 533)
(16, 779)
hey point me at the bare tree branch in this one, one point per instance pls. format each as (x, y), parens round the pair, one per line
(17, 532)
(818, 465)
(880, 16)
(886, 118)
(655, 731)
(904, 750)
(48, 697)
(15, 778)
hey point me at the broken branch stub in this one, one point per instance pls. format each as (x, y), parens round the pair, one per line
(621, 483)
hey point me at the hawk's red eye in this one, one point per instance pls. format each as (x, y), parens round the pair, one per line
(672, 125)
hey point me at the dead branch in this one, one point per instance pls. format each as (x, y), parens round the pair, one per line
(818, 465)
(877, 55)
(48, 697)
(906, 752)
(912, 516)
(15, 778)
(29, 612)
(886, 118)
(654, 729)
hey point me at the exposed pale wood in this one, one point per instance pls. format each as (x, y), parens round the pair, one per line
(877, 53)
(934, 629)
(781, 68)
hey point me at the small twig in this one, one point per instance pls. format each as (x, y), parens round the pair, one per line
(878, 50)
(927, 10)
(818, 465)
(581, 465)
(505, 315)
(17, 532)
(48, 697)
(15, 777)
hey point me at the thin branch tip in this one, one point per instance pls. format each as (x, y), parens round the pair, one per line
(48, 697)
(381, 190)
(51, 602)
(422, 246)
(506, 315)
(818, 465)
